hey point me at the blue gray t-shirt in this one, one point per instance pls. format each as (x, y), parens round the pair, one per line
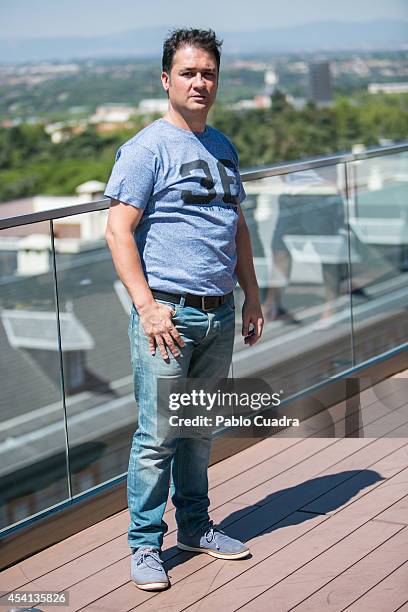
(189, 186)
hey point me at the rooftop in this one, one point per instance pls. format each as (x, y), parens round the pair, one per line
(325, 512)
(326, 520)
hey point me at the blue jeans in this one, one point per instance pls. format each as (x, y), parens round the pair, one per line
(156, 456)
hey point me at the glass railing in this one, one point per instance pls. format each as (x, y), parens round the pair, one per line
(378, 218)
(330, 242)
(298, 226)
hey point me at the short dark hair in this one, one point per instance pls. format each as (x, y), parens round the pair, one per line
(192, 37)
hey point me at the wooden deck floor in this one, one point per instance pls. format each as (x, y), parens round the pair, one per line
(326, 520)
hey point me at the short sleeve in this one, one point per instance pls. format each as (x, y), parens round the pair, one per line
(132, 177)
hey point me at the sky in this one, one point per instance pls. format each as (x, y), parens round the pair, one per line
(58, 18)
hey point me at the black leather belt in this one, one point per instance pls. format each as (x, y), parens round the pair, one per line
(203, 302)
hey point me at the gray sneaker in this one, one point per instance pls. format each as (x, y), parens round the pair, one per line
(147, 571)
(214, 542)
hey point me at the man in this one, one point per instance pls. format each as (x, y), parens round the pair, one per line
(175, 191)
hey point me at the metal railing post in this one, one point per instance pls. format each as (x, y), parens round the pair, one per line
(61, 360)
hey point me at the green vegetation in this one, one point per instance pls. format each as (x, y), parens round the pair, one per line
(285, 134)
(30, 164)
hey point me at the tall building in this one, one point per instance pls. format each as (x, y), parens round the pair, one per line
(320, 82)
(271, 80)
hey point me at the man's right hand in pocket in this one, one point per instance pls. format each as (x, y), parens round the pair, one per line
(159, 329)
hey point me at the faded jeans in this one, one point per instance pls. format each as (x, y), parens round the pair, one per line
(155, 458)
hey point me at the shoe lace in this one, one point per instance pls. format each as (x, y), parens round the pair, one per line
(149, 553)
(211, 532)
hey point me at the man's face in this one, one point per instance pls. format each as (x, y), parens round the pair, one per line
(192, 83)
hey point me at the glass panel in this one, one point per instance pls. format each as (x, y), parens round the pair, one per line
(300, 244)
(379, 226)
(94, 307)
(33, 472)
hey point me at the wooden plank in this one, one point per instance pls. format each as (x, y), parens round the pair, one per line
(77, 545)
(276, 468)
(59, 525)
(388, 386)
(121, 549)
(15, 577)
(403, 374)
(99, 534)
(397, 513)
(231, 587)
(379, 414)
(76, 548)
(382, 417)
(117, 548)
(241, 463)
(318, 462)
(83, 565)
(360, 577)
(114, 575)
(389, 425)
(254, 523)
(58, 555)
(66, 576)
(339, 496)
(324, 568)
(244, 579)
(387, 596)
(341, 464)
(376, 418)
(126, 595)
(87, 540)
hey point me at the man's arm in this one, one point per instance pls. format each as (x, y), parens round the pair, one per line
(155, 317)
(251, 310)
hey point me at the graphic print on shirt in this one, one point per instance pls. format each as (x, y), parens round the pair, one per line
(208, 183)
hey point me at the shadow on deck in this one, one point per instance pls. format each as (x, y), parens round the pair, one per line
(326, 520)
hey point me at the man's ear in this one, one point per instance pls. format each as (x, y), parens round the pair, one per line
(165, 79)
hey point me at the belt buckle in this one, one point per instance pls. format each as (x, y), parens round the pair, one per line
(208, 297)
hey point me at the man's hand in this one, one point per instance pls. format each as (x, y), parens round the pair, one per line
(158, 327)
(252, 317)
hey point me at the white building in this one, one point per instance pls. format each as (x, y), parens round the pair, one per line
(112, 113)
(73, 234)
(271, 81)
(150, 106)
(388, 88)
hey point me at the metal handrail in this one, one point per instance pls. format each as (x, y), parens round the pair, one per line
(249, 175)
(319, 162)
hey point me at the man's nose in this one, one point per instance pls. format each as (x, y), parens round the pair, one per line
(198, 80)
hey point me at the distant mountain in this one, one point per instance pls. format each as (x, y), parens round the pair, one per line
(318, 36)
